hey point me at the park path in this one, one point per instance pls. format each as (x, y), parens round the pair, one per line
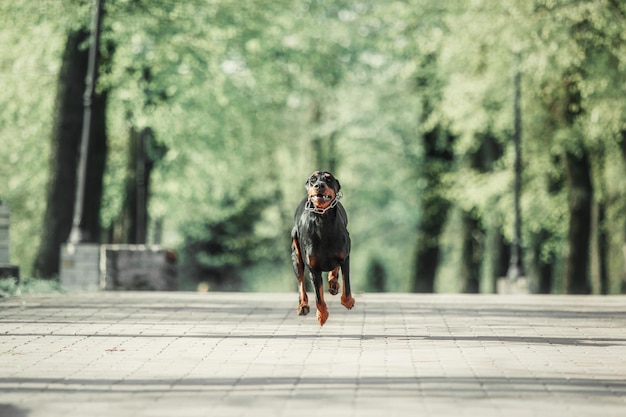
(242, 354)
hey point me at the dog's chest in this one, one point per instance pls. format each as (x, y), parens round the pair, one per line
(323, 237)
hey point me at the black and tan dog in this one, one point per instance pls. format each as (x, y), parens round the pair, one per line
(321, 243)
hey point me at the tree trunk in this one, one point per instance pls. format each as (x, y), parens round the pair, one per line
(376, 276)
(493, 251)
(426, 261)
(602, 239)
(623, 286)
(66, 135)
(134, 222)
(471, 254)
(543, 267)
(496, 258)
(434, 209)
(65, 144)
(96, 164)
(580, 201)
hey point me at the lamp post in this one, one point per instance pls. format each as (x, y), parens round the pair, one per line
(78, 233)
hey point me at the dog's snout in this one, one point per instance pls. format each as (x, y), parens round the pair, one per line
(320, 186)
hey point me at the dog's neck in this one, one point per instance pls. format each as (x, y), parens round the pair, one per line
(310, 207)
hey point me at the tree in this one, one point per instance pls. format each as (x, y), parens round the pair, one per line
(580, 201)
(66, 137)
(131, 225)
(434, 208)
(409, 102)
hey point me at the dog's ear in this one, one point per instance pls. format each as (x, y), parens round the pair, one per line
(338, 185)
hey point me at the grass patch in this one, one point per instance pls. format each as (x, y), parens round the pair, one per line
(10, 287)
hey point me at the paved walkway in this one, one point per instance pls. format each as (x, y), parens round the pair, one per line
(184, 354)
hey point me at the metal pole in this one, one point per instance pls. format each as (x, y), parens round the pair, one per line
(516, 268)
(78, 234)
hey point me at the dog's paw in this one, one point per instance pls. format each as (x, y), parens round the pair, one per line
(303, 310)
(322, 314)
(347, 302)
(333, 286)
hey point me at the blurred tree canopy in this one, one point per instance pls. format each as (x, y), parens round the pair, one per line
(409, 103)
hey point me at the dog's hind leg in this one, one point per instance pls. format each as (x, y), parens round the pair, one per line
(333, 281)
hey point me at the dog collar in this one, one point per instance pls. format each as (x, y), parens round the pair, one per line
(309, 206)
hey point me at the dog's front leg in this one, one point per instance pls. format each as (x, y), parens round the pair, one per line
(298, 269)
(346, 296)
(318, 284)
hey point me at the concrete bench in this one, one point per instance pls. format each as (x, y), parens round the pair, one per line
(7, 270)
(93, 267)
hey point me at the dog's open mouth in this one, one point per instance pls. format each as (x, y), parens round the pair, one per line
(320, 198)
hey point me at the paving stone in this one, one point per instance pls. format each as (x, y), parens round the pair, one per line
(237, 354)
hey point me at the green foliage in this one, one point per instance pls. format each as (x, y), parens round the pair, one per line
(249, 97)
(32, 39)
(27, 286)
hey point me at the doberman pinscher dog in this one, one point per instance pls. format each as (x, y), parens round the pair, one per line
(321, 243)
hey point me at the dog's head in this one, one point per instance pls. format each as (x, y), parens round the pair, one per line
(322, 188)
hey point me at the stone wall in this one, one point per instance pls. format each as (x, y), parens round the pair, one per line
(92, 267)
(6, 269)
(80, 267)
(4, 234)
(138, 267)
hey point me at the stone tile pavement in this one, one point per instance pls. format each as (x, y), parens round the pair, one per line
(235, 354)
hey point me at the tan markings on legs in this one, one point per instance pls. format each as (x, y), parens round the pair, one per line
(346, 299)
(333, 281)
(303, 308)
(322, 309)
